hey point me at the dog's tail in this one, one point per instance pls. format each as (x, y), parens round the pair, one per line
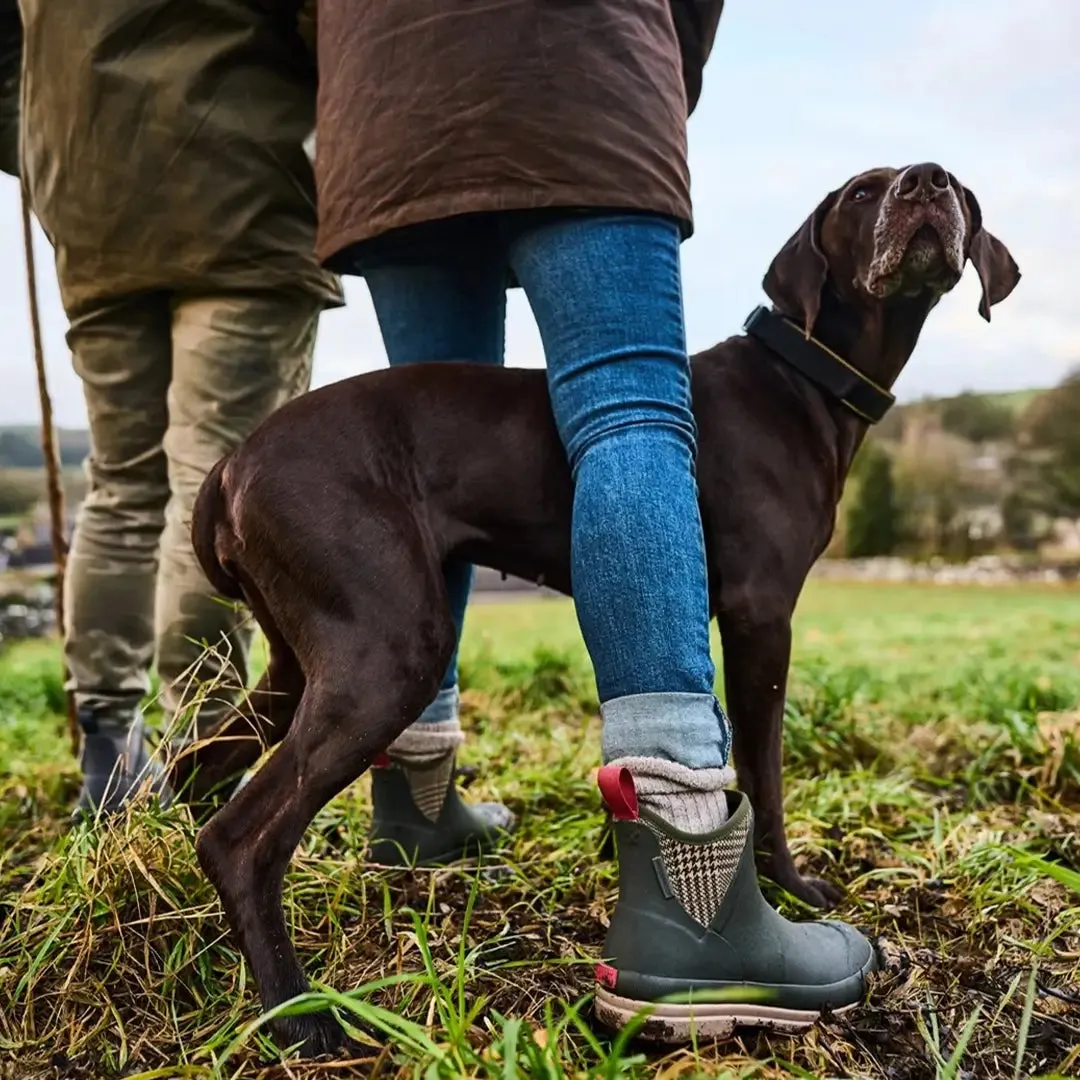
(207, 520)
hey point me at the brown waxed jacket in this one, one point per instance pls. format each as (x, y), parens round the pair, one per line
(162, 142)
(10, 73)
(434, 108)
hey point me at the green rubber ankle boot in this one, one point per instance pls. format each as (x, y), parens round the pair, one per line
(446, 830)
(115, 761)
(693, 939)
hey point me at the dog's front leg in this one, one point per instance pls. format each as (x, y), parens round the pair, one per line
(757, 652)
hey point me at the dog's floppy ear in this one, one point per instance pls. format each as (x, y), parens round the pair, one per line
(997, 270)
(797, 275)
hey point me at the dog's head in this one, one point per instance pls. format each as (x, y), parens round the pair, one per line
(887, 235)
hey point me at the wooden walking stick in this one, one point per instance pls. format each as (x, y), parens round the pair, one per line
(50, 449)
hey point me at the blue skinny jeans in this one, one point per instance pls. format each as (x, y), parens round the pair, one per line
(606, 292)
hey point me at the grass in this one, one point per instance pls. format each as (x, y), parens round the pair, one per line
(932, 764)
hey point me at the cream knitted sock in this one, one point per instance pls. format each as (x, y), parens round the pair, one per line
(426, 751)
(690, 800)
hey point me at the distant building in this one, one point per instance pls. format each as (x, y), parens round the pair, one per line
(1066, 536)
(41, 524)
(31, 556)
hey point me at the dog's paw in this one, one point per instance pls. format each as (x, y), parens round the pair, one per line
(317, 1035)
(812, 891)
(815, 892)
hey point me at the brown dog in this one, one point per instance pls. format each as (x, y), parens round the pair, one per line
(333, 521)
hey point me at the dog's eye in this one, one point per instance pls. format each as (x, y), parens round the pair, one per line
(859, 194)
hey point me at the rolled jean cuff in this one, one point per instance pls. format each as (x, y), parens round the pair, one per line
(443, 709)
(690, 729)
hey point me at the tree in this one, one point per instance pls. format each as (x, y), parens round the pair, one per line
(976, 418)
(873, 519)
(1018, 521)
(19, 490)
(19, 452)
(1049, 462)
(20, 448)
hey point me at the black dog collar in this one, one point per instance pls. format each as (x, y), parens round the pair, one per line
(819, 364)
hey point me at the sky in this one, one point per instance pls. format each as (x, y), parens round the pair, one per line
(798, 97)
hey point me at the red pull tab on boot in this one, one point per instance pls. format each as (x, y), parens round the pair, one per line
(381, 761)
(617, 788)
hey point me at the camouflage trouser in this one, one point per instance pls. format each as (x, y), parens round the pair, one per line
(172, 382)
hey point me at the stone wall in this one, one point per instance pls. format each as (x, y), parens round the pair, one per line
(985, 570)
(26, 608)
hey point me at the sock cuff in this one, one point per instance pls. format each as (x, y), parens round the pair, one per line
(654, 776)
(691, 800)
(426, 742)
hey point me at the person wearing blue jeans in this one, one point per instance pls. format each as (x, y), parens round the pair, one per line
(463, 149)
(607, 296)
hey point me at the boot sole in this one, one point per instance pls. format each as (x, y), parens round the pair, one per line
(682, 1023)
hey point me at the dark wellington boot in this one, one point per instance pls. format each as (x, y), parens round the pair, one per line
(402, 834)
(115, 761)
(693, 938)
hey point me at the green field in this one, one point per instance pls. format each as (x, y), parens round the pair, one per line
(933, 767)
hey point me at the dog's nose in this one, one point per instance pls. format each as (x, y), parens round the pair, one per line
(922, 183)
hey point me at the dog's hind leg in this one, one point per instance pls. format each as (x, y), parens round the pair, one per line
(208, 772)
(373, 661)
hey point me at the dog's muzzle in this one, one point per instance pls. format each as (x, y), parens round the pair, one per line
(919, 235)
